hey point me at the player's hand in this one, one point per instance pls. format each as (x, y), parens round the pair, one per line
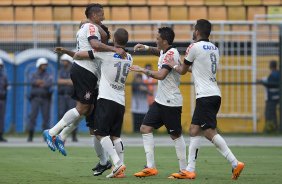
(59, 50)
(139, 47)
(136, 68)
(121, 52)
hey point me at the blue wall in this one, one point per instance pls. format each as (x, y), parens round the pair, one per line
(18, 74)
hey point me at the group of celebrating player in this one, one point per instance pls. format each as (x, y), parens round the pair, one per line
(99, 73)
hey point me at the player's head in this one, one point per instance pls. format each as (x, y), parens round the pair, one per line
(273, 65)
(95, 13)
(202, 29)
(165, 37)
(121, 37)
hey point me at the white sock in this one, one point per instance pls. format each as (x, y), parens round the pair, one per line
(119, 149)
(70, 128)
(70, 116)
(222, 147)
(107, 145)
(149, 147)
(101, 153)
(195, 143)
(180, 148)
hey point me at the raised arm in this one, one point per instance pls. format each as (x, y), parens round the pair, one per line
(80, 55)
(153, 50)
(62, 50)
(92, 35)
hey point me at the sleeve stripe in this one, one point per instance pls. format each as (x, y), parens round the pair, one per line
(92, 37)
(166, 67)
(91, 55)
(186, 62)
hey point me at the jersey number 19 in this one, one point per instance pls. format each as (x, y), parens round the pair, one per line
(122, 69)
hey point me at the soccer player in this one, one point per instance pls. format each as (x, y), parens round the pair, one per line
(104, 162)
(84, 75)
(111, 100)
(202, 59)
(167, 107)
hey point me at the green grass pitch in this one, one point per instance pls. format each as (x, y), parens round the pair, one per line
(40, 165)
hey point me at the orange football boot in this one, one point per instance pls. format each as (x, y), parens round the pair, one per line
(120, 175)
(183, 175)
(237, 170)
(147, 172)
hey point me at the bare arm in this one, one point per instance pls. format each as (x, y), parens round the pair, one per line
(98, 46)
(153, 50)
(81, 55)
(179, 68)
(182, 69)
(62, 50)
(160, 75)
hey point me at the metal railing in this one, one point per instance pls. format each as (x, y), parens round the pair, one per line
(242, 45)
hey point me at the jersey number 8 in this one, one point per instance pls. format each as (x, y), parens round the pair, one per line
(213, 61)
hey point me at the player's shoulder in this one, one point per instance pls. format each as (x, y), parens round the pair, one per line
(170, 51)
(89, 25)
(173, 50)
(207, 46)
(85, 25)
(192, 46)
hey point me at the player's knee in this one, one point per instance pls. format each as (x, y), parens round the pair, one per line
(175, 136)
(145, 129)
(83, 109)
(193, 132)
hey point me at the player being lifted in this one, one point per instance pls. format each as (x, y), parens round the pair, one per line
(84, 75)
(167, 108)
(104, 162)
(202, 59)
(111, 99)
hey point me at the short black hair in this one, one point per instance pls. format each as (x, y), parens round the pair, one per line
(166, 33)
(94, 7)
(121, 36)
(204, 27)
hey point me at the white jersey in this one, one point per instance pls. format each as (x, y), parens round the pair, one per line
(204, 57)
(87, 32)
(168, 92)
(114, 71)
